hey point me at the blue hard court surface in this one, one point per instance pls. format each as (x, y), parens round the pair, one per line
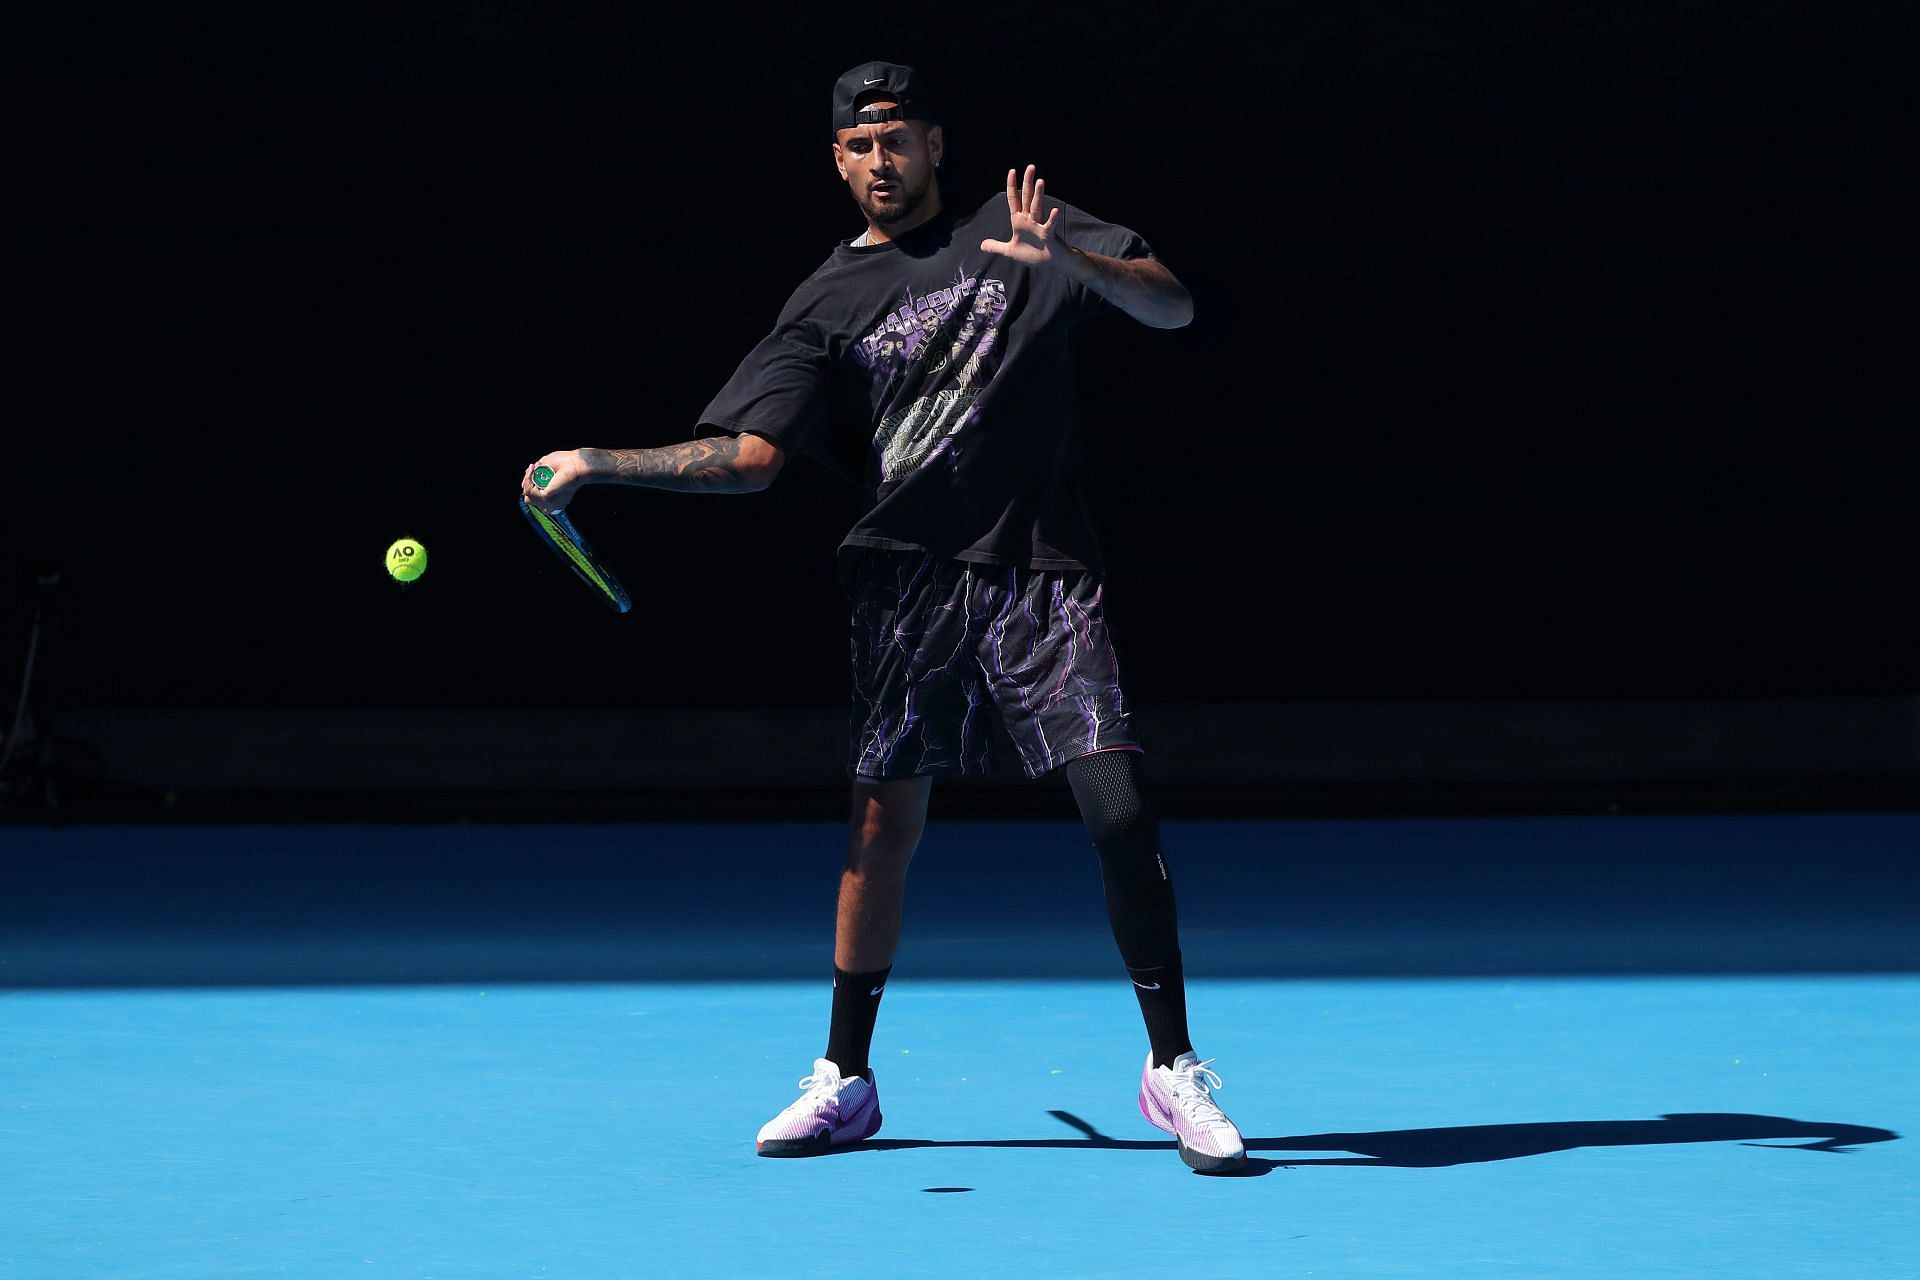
(1567, 1047)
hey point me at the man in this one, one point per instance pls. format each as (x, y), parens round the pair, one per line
(927, 359)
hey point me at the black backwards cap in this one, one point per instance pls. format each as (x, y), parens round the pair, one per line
(902, 84)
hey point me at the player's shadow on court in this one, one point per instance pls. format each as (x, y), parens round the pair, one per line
(1474, 1144)
(1478, 1144)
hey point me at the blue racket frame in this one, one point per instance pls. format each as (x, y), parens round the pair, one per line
(560, 533)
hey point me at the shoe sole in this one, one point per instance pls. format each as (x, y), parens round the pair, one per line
(793, 1148)
(1200, 1162)
(819, 1144)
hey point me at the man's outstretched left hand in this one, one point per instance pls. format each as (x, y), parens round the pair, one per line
(1032, 240)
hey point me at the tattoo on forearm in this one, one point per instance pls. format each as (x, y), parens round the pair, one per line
(710, 465)
(1141, 287)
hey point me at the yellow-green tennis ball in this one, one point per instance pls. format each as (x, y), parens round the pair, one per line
(406, 559)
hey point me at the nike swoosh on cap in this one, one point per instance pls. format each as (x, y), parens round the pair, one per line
(875, 81)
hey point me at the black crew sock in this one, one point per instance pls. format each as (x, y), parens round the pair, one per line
(1162, 991)
(856, 1003)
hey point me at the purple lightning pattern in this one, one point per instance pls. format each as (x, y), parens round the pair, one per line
(945, 652)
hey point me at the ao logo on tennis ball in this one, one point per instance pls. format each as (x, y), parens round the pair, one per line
(406, 560)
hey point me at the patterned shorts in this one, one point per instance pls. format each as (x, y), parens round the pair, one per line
(954, 662)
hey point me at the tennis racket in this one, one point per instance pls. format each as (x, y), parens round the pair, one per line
(559, 533)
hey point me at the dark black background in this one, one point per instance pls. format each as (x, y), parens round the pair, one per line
(1544, 351)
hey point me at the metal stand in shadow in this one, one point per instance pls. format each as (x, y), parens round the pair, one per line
(35, 763)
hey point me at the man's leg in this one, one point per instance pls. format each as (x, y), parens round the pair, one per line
(1140, 905)
(1055, 679)
(1176, 1087)
(840, 1104)
(888, 818)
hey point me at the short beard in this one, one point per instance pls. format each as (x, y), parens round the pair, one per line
(905, 208)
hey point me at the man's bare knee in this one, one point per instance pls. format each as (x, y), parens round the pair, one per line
(888, 818)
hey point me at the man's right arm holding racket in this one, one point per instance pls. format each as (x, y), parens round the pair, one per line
(743, 463)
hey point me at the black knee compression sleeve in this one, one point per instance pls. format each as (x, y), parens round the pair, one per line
(1125, 833)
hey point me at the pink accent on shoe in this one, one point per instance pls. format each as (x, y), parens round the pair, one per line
(833, 1112)
(1179, 1100)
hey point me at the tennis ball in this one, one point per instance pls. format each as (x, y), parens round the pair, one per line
(406, 559)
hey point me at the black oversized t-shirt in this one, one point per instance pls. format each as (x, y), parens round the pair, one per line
(937, 375)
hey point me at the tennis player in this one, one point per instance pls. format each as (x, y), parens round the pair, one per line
(928, 360)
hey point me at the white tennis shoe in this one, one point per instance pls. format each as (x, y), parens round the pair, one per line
(833, 1112)
(1179, 1099)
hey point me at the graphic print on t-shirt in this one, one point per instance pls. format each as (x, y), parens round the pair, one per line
(948, 342)
(947, 397)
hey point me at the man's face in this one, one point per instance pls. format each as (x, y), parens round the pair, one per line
(889, 167)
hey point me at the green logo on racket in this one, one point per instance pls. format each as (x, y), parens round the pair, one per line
(542, 477)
